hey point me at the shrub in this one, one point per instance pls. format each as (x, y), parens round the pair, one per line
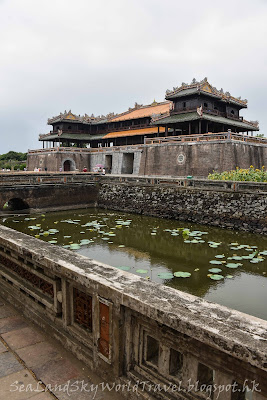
(239, 174)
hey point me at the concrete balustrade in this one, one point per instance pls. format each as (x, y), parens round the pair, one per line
(40, 178)
(132, 331)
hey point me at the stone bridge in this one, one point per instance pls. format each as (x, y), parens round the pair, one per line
(48, 195)
(37, 191)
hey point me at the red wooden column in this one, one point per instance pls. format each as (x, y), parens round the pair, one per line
(104, 339)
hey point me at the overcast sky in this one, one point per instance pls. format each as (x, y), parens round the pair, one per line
(105, 55)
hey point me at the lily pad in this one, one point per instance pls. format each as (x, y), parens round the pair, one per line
(256, 260)
(216, 262)
(125, 268)
(233, 265)
(220, 256)
(215, 270)
(84, 241)
(141, 271)
(229, 276)
(216, 277)
(75, 246)
(180, 274)
(165, 275)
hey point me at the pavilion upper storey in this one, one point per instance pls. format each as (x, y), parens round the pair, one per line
(190, 97)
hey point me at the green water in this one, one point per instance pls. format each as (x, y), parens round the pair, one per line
(149, 246)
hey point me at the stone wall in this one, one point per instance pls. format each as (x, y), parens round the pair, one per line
(200, 158)
(50, 195)
(215, 206)
(54, 160)
(131, 331)
(119, 159)
(197, 157)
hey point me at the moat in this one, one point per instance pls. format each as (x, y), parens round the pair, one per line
(222, 266)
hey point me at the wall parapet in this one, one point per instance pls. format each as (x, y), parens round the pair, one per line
(8, 179)
(124, 326)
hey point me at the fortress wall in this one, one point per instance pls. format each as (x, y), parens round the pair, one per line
(196, 158)
(205, 202)
(54, 160)
(201, 158)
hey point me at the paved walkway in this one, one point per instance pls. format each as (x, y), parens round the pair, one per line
(32, 365)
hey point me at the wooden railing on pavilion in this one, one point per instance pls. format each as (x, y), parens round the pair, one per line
(207, 110)
(99, 132)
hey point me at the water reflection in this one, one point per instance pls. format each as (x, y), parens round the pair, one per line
(149, 244)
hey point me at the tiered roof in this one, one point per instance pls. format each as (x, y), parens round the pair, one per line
(194, 116)
(206, 88)
(84, 119)
(140, 111)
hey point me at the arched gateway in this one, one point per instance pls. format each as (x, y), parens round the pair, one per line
(67, 165)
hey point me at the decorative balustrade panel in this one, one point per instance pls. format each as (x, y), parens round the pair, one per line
(31, 278)
(82, 307)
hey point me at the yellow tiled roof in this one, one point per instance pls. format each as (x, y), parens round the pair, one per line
(142, 112)
(134, 132)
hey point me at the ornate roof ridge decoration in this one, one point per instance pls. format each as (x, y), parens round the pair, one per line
(78, 118)
(205, 86)
(253, 123)
(140, 106)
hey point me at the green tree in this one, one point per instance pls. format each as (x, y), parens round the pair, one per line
(13, 155)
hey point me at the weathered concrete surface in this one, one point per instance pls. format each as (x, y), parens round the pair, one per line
(34, 366)
(197, 157)
(118, 159)
(230, 343)
(244, 211)
(200, 158)
(54, 160)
